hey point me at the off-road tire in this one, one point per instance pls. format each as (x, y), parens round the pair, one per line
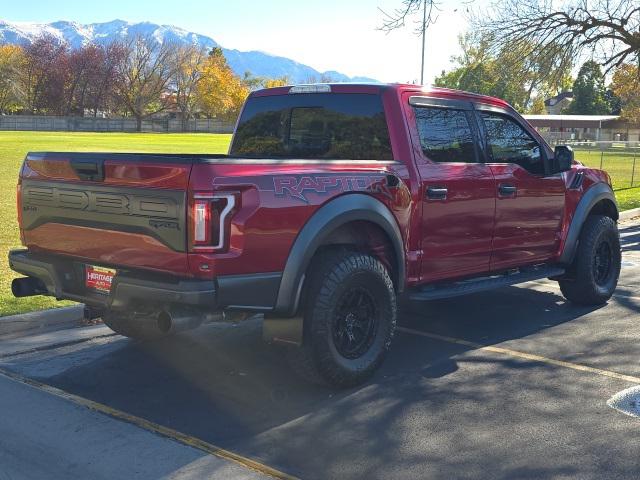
(350, 318)
(592, 277)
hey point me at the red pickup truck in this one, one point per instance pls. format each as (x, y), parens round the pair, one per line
(334, 202)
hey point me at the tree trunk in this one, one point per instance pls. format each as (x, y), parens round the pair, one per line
(139, 123)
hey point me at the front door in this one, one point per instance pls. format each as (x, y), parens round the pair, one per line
(457, 190)
(530, 203)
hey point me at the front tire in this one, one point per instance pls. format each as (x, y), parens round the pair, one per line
(350, 318)
(593, 276)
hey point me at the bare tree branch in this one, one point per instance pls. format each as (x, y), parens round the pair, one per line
(606, 30)
(397, 18)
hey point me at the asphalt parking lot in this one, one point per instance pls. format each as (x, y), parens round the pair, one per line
(507, 384)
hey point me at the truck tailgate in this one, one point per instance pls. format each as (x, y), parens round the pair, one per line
(114, 210)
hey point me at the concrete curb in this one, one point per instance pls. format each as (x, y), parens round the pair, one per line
(54, 318)
(629, 214)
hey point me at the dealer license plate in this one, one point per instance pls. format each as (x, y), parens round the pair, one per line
(99, 278)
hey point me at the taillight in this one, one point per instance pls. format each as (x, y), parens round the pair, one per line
(210, 221)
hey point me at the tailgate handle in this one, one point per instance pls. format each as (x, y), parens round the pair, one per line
(89, 169)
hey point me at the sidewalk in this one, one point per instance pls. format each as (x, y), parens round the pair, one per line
(44, 436)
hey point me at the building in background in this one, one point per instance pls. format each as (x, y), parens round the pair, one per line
(595, 128)
(556, 105)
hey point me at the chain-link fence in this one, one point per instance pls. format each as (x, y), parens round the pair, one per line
(620, 159)
(97, 124)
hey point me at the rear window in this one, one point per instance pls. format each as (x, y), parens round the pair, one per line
(445, 134)
(314, 125)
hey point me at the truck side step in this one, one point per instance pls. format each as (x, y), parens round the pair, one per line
(475, 285)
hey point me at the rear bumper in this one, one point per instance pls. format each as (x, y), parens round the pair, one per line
(63, 278)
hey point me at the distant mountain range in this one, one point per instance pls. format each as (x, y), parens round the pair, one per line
(76, 35)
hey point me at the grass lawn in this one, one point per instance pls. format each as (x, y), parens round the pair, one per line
(620, 166)
(15, 145)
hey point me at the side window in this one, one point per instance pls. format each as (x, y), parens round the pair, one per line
(445, 134)
(508, 142)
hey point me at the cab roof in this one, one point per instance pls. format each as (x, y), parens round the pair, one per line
(374, 88)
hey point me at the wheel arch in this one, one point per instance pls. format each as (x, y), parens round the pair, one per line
(319, 231)
(598, 200)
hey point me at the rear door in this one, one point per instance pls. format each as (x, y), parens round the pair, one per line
(530, 202)
(458, 191)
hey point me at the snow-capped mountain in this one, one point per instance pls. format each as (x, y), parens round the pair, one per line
(76, 35)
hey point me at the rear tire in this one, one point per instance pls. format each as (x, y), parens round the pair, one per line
(593, 276)
(350, 318)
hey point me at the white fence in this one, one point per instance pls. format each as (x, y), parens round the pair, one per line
(95, 124)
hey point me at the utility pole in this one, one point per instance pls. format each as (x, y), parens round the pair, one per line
(424, 29)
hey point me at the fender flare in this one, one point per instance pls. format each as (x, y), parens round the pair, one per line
(323, 222)
(597, 193)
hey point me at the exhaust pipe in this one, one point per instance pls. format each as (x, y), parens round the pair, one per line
(178, 320)
(27, 287)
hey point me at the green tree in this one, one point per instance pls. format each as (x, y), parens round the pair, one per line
(508, 74)
(589, 92)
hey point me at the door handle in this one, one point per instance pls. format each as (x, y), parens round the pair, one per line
(507, 190)
(437, 193)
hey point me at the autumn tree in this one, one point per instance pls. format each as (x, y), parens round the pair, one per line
(11, 59)
(102, 91)
(589, 92)
(83, 65)
(276, 82)
(626, 86)
(221, 93)
(254, 82)
(42, 76)
(142, 77)
(187, 72)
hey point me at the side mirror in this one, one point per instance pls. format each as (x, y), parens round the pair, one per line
(562, 159)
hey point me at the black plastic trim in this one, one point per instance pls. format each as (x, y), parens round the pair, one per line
(342, 210)
(421, 101)
(128, 287)
(156, 213)
(253, 292)
(598, 192)
(257, 291)
(482, 284)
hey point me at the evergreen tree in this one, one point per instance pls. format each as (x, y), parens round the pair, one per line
(589, 92)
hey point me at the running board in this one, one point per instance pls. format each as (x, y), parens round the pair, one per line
(475, 285)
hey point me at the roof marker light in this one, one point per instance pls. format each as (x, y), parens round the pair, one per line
(316, 88)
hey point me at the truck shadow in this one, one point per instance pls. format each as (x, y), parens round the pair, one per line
(221, 383)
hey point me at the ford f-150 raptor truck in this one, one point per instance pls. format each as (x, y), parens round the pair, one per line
(334, 202)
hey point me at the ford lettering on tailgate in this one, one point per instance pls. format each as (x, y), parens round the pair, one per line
(160, 214)
(101, 202)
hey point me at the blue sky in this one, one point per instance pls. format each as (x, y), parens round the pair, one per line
(326, 34)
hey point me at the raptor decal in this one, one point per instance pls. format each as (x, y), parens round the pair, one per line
(297, 186)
